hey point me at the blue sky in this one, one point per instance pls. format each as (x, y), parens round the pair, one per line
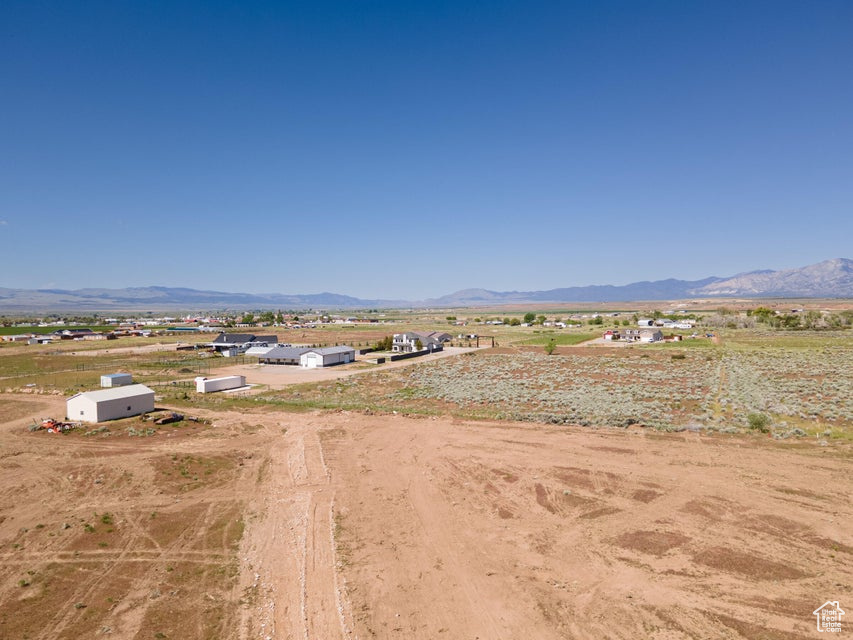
(407, 150)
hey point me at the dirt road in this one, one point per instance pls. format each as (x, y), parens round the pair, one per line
(279, 376)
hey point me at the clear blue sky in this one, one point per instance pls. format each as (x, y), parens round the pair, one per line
(407, 150)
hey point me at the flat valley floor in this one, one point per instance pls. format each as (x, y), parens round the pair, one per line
(345, 525)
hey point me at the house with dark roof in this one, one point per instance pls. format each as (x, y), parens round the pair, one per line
(440, 336)
(241, 341)
(408, 342)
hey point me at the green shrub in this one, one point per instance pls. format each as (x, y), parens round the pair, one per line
(758, 422)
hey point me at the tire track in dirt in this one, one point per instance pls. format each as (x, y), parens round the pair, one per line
(324, 604)
(269, 551)
(128, 617)
(69, 557)
(147, 554)
(722, 384)
(290, 568)
(442, 545)
(68, 609)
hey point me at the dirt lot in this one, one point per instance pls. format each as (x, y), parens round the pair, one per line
(275, 376)
(346, 525)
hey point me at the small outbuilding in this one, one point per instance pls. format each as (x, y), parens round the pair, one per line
(110, 404)
(326, 357)
(116, 379)
(209, 385)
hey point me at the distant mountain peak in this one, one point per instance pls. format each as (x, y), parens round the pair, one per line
(828, 279)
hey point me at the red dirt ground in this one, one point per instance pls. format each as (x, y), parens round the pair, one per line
(344, 525)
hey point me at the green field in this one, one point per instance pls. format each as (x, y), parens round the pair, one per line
(561, 338)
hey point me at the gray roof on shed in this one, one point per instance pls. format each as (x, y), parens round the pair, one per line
(129, 391)
(285, 353)
(234, 338)
(325, 351)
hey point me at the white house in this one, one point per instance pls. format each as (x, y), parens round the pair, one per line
(110, 404)
(643, 335)
(22, 337)
(407, 342)
(326, 357)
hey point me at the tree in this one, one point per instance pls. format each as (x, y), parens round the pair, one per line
(419, 346)
(514, 322)
(812, 319)
(384, 344)
(248, 318)
(540, 319)
(550, 346)
(529, 317)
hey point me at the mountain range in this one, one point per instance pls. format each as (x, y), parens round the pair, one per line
(828, 279)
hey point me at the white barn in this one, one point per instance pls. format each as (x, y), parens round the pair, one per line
(110, 404)
(326, 357)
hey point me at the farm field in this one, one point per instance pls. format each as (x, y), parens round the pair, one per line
(497, 493)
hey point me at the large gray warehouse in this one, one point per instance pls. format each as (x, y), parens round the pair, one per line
(307, 357)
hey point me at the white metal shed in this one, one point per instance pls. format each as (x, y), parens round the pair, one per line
(209, 385)
(326, 357)
(110, 404)
(116, 379)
